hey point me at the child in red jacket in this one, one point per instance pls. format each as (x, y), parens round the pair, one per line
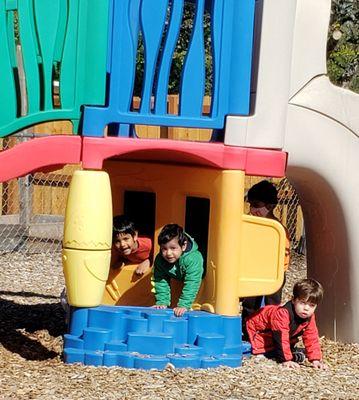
(274, 330)
(129, 247)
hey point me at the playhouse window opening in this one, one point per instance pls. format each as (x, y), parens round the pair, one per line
(209, 57)
(197, 223)
(168, 132)
(159, 58)
(56, 96)
(181, 51)
(18, 63)
(140, 207)
(140, 66)
(41, 86)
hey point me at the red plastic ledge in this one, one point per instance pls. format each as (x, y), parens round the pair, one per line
(56, 151)
(37, 154)
(253, 161)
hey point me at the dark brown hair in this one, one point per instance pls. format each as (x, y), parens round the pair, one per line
(122, 225)
(308, 290)
(171, 231)
(263, 191)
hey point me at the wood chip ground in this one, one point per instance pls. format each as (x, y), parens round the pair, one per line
(31, 329)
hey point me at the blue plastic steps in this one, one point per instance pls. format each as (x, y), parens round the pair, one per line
(143, 337)
(150, 343)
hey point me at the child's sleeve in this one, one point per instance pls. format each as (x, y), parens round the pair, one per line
(311, 341)
(192, 281)
(252, 330)
(147, 248)
(281, 335)
(161, 283)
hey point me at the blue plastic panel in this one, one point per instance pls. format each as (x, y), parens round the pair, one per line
(159, 25)
(152, 338)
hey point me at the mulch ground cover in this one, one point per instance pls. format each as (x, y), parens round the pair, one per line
(31, 328)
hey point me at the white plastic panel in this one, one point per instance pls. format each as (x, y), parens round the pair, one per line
(310, 42)
(322, 96)
(323, 166)
(265, 128)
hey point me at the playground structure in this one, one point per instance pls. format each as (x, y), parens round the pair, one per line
(265, 99)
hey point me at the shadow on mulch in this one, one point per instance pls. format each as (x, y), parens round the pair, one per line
(19, 321)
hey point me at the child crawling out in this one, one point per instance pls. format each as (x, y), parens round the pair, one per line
(179, 259)
(274, 329)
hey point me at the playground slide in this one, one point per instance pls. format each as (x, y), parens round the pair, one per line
(319, 129)
(324, 164)
(322, 139)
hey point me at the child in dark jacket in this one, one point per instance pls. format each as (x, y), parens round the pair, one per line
(179, 259)
(274, 330)
(263, 198)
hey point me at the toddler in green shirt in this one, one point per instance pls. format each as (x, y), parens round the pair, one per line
(179, 259)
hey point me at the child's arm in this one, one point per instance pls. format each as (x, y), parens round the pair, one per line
(161, 283)
(251, 330)
(143, 267)
(192, 282)
(281, 336)
(312, 345)
(145, 251)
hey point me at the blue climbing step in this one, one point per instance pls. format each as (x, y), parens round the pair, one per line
(146, 338)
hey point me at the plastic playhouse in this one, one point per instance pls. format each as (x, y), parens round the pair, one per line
(266, 100)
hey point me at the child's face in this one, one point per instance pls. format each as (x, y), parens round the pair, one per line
(125, 243)
(259, 208)
(304, 308)
(172, 250)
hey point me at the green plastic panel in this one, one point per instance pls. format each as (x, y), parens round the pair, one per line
(66, 39)
(8, 104)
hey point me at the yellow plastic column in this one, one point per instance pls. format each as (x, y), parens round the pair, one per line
(227, 218)
(87, 237)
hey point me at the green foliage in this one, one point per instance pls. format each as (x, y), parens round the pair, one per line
(182, 47)
(343, 44)
(16, 28)
(179, 54)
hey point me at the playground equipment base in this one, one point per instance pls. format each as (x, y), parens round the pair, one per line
(146, 338)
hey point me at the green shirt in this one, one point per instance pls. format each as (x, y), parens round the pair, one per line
(188, 268)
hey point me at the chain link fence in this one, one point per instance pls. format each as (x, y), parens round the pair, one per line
(32, 208)
(289, 212)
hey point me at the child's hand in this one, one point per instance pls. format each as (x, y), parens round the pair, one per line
(143, 267)
(179, 311)
(159, 306)
(291, 364)
(319, 364)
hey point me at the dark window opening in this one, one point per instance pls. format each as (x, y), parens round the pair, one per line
(197, 223)
(140, 207)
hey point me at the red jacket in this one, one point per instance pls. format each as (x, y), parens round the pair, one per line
(142, 253)
(277, 328)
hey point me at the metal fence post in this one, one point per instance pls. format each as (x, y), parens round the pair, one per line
(25, 187)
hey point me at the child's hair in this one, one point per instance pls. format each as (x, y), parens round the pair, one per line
(122, 225)
(263, 191)
(308, 290)
(171, 231)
